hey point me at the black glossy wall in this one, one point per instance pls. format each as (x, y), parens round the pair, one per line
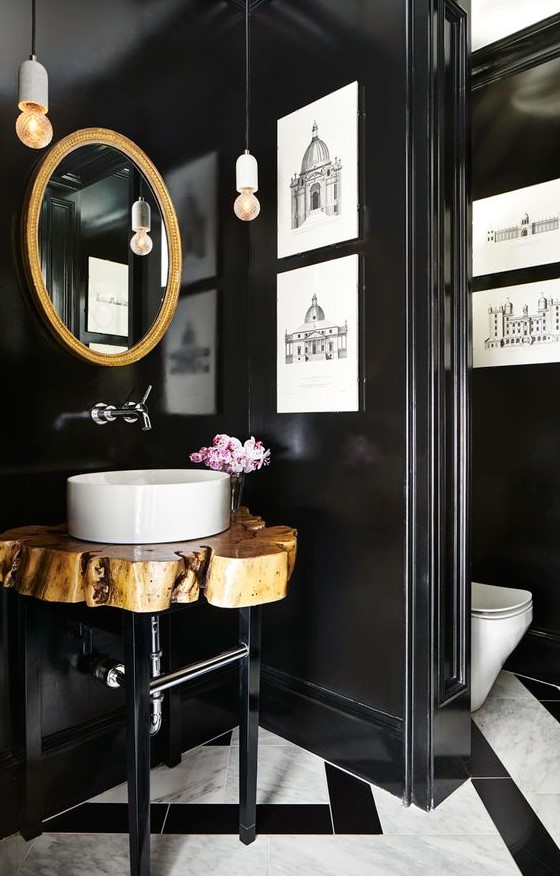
(338, 477)
(169, 75)
(516, 139)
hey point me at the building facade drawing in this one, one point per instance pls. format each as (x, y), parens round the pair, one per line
(525, 228)
(509, 330)
(316, 191)
(316, 338)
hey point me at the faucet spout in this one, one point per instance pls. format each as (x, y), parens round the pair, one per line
(131, 412)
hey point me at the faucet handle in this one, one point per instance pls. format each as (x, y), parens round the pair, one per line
(146, 394)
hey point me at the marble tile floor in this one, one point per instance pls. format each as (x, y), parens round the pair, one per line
(316, 819)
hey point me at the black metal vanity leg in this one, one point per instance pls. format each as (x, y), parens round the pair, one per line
(250, 670)
(32, 815)
(172, 701)
(137, 645)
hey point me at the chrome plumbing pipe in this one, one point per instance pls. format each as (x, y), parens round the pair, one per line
(187, 673)
(156, 701)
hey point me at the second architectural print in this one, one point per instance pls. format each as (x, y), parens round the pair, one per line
(317, 342)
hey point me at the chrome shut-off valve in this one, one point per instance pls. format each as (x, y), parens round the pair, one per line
(131, 412)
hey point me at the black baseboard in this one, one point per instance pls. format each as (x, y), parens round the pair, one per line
(10, 782)
(537, 656)
(354, 737)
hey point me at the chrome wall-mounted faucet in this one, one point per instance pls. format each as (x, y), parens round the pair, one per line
(131, 412)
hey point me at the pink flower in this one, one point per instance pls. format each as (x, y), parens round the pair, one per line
(230, 455)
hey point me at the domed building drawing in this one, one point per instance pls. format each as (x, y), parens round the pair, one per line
(316, 338)
(316, 191)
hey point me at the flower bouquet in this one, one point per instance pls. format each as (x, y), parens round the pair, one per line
(228, 454)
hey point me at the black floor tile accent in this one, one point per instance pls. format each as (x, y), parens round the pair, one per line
(540, 690)
(529, 843)
(552, 706)
(485, 764)
(101, 818)
(296, 818)
(352, 804)
(210, 818)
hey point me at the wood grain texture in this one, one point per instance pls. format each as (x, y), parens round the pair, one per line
(248, 564)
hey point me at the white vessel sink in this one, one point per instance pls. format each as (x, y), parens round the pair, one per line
(148, 505)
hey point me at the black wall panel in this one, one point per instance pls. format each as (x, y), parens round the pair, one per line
(516, 440)
(338, 477)
(169, 76)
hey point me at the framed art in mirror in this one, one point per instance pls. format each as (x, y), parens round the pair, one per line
(102, 301)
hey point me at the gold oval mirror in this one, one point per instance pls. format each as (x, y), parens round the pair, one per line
(103, 301)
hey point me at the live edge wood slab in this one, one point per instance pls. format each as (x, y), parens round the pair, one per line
(248, 564)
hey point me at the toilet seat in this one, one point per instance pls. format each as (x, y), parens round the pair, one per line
(493, 603)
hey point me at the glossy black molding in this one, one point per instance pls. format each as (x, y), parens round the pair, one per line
(536, 44)
(437, 706)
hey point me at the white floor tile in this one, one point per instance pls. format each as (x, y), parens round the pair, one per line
(461, 814)
(286, 774)
(13, 851)
(205, 855)
(397, 856)
(526, 738)
(200, 778)
(508, 687)
(547, 807)
(78, 855)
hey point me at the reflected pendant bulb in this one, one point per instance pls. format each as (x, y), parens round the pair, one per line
(246, 206)
(141, 243)
(32, 126)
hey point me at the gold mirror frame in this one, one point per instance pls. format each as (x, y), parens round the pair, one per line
(32, 257)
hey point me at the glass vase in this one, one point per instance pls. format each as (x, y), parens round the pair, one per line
(237, 482)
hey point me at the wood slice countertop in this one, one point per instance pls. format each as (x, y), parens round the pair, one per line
(248, 564)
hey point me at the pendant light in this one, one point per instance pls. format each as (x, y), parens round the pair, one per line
(246, 206)
(141, 243)
(33, 126)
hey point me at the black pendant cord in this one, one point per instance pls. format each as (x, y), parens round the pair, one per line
(33, 26)
(247, 79)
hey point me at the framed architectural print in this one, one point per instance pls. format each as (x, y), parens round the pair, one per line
(190, 355)
(318, 173)
(317, 337)
(194, 189)
(107, 297)
(517, 229)
(517, 325)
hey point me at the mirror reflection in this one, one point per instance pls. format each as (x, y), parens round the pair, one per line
(105, 294)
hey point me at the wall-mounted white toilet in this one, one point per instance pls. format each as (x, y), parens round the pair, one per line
(500, 617)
